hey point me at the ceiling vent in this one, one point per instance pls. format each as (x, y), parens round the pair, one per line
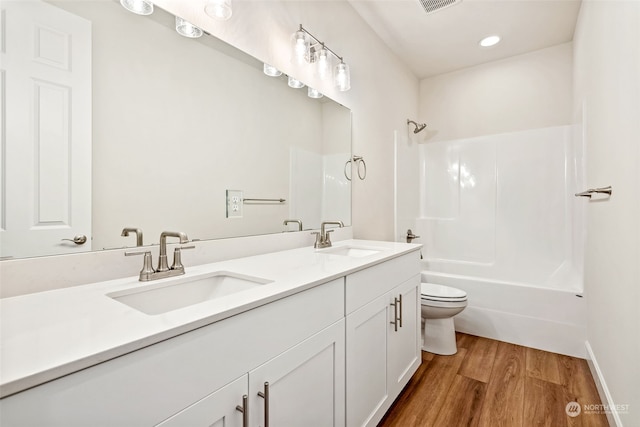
(432, 6)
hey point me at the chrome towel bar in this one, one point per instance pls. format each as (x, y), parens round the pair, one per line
(590, 192)
(265, 200)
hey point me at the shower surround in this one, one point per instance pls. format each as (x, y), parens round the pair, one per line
(498, 219)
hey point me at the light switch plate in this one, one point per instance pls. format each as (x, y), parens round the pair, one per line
(234, 203)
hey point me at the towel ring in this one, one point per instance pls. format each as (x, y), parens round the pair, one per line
(362, 172)
(345, 170)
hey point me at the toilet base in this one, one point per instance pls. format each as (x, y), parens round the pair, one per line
(439, 336)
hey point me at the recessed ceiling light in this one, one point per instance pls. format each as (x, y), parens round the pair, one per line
(490, 41)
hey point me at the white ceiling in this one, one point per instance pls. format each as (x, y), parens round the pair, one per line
(447, 40)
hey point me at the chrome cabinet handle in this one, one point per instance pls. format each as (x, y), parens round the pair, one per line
(265, 396)
(245, 412)
(80, 239)
(395, 314)
(400, 304)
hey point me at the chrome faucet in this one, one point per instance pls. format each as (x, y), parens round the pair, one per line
(297, 221)
(323, 240)
(138, 231)
(148, 273)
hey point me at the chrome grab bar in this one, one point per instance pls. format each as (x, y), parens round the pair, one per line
(590, 192)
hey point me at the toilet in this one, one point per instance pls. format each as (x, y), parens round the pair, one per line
(438, 306)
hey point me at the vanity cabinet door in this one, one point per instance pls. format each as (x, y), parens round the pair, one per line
(404, 350)
(382, 352)
(304, 386)
(219, 409)
(366, 361)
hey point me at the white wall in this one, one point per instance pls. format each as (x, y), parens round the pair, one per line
(523, 92)
(607, 104)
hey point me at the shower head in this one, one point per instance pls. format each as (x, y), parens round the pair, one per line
(419, 126)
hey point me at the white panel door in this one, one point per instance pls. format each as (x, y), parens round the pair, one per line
(46, 139)
(304, 386)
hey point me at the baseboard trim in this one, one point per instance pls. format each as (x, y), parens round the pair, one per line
(601, 385)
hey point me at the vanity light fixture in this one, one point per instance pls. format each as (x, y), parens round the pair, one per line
(323, 62)
(139, 7)
(187, 29)
(271, 71)
(343, 77)
(490, 41)
(296, 84)
(307, 48)
(300, 43)
(219, 9)
(313, 93)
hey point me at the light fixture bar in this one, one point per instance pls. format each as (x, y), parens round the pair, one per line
(320, 43)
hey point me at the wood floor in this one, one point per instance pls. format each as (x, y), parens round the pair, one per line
(491, 383)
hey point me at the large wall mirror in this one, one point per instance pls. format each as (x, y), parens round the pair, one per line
(113, 120)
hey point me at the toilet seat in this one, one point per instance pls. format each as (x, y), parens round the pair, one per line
(441, 293)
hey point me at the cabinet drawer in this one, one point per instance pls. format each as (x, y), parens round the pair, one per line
(366, 285)
(147, 386)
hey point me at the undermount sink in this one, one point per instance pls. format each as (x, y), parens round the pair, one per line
(351, 251)
(161, 298)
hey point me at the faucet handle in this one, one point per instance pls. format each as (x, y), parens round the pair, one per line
(147, 264)
(177, 257)
(327, 237)
(318, 239)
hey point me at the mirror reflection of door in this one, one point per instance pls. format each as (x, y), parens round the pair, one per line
(46, 135)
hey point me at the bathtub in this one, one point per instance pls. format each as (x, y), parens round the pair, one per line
(543, 318)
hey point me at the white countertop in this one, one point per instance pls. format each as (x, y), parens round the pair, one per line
(50, 334)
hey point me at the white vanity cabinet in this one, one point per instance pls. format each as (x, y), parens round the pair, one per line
(286, 342)
(333, 355)
(382, 336)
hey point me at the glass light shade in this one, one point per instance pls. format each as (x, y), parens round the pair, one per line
(296, 84)
(300, 46)
(187, 29)
(313, 93)
(271, 71)
(139, 7)
(219, 9)
(322, 59)
(342, 77)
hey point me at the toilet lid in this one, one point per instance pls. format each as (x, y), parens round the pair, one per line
(437, 292)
